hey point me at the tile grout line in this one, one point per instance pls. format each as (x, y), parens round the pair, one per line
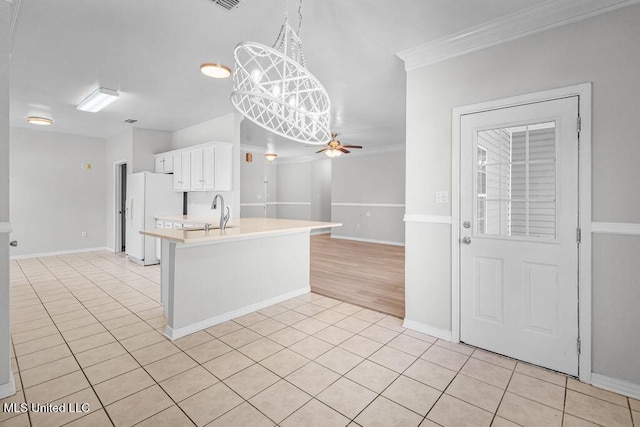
(72, 353)
(141, 366)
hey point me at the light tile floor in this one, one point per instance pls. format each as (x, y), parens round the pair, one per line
(88, 328)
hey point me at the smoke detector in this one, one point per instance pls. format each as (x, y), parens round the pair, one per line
(227, 4)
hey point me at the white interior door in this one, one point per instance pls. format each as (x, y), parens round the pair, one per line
(518, 228)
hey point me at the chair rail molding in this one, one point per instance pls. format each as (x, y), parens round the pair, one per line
(289, 203)
(626, 229)
(431, 219)
(542, 17)
(5, 227)
(372, 205)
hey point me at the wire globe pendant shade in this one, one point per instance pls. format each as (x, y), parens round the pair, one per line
(273, 88)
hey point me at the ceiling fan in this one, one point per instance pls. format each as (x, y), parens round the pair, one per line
(335, 149)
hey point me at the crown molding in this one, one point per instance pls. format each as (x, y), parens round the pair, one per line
(542, 17)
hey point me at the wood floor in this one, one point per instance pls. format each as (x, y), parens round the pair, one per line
(367, 274)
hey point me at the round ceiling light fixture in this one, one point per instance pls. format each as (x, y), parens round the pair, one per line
(217, 71)
(42, 121)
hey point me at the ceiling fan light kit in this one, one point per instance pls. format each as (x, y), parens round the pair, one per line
(273, 88)
(335, 149)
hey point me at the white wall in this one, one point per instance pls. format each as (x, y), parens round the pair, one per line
(321, 190)
(6, 387)
(293, 192)
(223, 129)
(54, 200)
(252, 191)
(361, 186)
(146, 143)
(602, 50)
(117, 149)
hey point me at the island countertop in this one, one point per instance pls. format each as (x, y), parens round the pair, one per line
(241, 228)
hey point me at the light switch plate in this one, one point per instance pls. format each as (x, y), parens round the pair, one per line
(442, 197)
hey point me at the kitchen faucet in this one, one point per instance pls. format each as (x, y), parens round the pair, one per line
(224, 216)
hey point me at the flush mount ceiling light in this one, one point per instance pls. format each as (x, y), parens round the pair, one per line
(273, 88)
(42, 121)
(98, 99)
(217, 71)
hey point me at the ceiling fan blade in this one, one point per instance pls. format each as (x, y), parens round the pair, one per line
(352, 146)
(343, 150)
(324, 149)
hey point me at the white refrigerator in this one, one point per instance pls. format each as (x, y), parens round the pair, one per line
(148, 194)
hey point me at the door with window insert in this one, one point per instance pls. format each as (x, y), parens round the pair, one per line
(518, 229)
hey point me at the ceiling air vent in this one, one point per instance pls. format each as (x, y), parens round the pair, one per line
(227, 4)
(130, 121)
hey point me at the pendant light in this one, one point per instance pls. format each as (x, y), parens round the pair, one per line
(273, 88)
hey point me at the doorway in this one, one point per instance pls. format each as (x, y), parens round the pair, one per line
(120, 199)
(517, 226)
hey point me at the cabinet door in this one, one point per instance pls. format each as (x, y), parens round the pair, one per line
(186, 171)
(197, 179)
(177, 172)
(222, 167)
(208, 156)
(159, 164)
(167, 163)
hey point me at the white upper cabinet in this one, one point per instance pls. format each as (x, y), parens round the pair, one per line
(197, 178)
(208, 159)
(207, 167)
(164, 163)
(182, 171)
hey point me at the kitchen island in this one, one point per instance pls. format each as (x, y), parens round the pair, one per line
(209, 277)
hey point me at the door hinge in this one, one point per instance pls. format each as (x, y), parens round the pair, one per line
(578, 345)
(579, 124)
(578, 235)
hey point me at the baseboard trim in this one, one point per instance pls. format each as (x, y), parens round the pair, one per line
(359, 239)
(8, 389)
(174, 334)
(623, 387)
(55, 253)
(625, 229)
(426, 329)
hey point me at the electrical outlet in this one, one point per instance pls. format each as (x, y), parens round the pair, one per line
(368, 213)
(84, 234)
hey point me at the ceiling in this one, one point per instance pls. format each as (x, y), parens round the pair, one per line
(151, 50)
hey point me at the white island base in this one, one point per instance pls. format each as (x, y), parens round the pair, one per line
(210, 281)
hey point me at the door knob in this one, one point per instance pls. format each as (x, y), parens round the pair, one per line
(466, 240)
(13, 243)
